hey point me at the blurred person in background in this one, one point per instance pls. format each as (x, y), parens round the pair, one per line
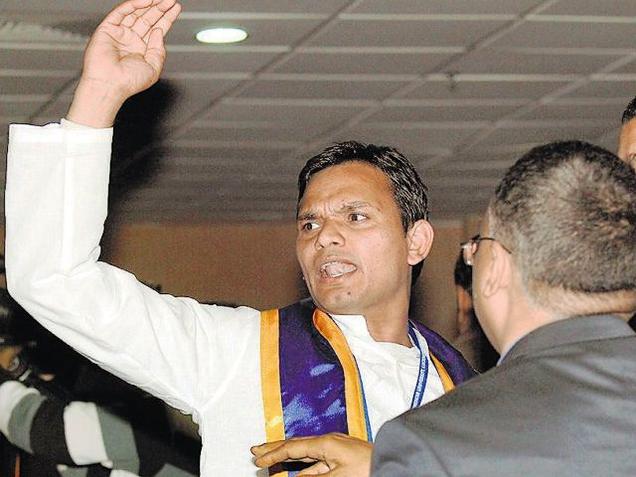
(67, 437)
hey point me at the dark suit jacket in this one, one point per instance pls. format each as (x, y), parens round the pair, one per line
(561, 403)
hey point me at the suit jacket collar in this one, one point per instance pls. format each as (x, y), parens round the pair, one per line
(570, 330)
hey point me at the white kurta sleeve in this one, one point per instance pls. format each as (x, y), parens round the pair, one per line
(56, 205)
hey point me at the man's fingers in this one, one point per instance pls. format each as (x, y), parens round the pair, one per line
(301, 449)
(150, 19)
(319, 468)
(120, 12)
(165, 23)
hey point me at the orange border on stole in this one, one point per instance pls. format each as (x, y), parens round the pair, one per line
(354, 400)
(447, 382)
(270, 380)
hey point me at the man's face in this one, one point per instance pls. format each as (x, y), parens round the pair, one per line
(627, 143)
(351, 245)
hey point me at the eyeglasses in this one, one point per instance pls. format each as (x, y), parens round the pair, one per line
(469, 249)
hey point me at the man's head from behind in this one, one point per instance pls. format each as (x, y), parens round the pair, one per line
(567, 213)
(355, 199)
(627, 138)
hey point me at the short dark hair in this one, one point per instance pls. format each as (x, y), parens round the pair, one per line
(567, 210)
(409, 192)
(630, 112)
(463, 274)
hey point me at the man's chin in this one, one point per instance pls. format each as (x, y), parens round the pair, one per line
(338, 304)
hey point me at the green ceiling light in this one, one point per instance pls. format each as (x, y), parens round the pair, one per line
(221, 35)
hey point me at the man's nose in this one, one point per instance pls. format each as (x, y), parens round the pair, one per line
(330, 234)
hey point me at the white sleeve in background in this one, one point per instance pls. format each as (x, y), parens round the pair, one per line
(11, 393)
(56, 205)
(83, 433)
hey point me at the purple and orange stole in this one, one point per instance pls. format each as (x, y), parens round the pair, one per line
(310, 380)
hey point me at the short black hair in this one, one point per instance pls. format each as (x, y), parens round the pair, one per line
(630, 112)
(463, 274)
(409, 192)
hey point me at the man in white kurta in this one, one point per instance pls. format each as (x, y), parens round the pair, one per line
(201, 359)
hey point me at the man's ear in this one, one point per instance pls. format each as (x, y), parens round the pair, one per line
(419, 241)
(498, 270)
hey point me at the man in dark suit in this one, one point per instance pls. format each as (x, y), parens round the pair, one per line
(553, 269)
(554, 278)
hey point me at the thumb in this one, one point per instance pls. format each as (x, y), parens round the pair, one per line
(319, 468)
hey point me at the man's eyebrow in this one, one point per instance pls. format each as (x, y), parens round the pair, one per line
(309, 215)
(343, 209)
(355, 205)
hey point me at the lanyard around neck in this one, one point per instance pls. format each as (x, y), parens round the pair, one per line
(422, 375)
(420, 385)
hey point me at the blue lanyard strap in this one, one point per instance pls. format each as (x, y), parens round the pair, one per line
(422, 375)
(420, 385)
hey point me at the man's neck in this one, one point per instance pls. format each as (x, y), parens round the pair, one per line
(393, 329)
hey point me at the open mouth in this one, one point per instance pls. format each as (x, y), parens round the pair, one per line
(336, 269)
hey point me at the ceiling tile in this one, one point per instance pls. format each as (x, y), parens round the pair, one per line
(321, 89)
(610, 110)
(21, 108)
(606, 89)
(541, 135)
(31, 85)
(586, 7)
(217, 61)
(444, 6)
(569, 35)
(502, 61)
(448, 112)
(485, 89)
(402, 33)
(308, 115)
(269, 6)
(411, 141)
(42, 59)
(362, 63)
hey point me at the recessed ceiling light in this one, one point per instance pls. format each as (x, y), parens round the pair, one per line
(221, 35)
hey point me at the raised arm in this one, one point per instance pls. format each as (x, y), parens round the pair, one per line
(56, 206)
(124, 57)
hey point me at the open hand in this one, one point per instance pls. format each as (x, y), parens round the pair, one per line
(334, 455)
(124, 57)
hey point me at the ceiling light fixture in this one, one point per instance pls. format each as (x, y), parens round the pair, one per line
(221, 35)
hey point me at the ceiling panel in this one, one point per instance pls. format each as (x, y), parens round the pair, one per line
(318, 89)
(442, 112)
(479, 7)
(609, 110)
(412, 140)
(570, 34)
(523, 62)
(534, 134)
(496, 88)
(217, 61)
(586, 7)
(362, 62)
(404, 33)
(606, 89)
(305, 114)
(463, 88)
